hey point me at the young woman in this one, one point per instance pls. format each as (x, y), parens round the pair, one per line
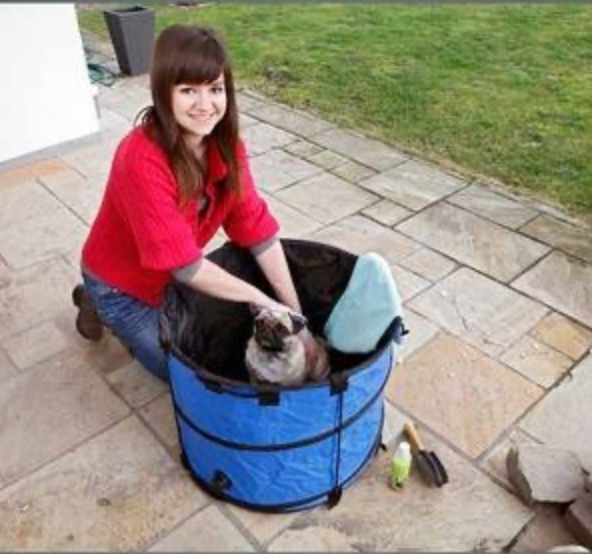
(175, 180)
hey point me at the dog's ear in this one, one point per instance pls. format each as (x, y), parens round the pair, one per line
(299, 322)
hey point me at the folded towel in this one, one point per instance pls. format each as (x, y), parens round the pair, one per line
(368, 306)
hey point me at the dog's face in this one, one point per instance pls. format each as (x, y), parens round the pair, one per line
(282, 351)
(274, 325)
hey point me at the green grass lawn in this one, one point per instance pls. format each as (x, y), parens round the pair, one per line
(500, 91)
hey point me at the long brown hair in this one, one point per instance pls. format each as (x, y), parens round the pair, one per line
(192, 55)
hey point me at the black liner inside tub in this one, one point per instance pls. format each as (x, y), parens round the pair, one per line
(212, 334)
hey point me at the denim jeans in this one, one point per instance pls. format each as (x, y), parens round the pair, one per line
(132, 321)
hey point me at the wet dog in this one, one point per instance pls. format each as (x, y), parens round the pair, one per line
(283, 351)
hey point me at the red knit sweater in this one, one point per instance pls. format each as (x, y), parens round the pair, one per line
(141, 234)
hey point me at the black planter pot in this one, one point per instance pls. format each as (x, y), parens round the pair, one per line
(132, 34)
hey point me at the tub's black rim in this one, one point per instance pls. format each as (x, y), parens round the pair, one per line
(394, 333)
(248, 390)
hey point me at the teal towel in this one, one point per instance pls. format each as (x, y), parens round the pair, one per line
(368, 306)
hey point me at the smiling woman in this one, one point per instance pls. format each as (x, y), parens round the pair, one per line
(177, 178)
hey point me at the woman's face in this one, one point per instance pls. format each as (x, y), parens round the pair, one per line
(198, 108)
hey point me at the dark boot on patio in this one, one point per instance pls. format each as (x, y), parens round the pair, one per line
(88, 322)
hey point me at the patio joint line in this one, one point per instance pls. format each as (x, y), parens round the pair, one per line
(242, 528)
(170, 530)
(15, 480)
(521, 233)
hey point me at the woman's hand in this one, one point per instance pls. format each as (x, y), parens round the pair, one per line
(261, 300)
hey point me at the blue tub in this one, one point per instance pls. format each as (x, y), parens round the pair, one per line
(262, 447)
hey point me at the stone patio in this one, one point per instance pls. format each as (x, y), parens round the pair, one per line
(498, 297)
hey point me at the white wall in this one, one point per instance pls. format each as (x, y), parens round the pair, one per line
(45, 93)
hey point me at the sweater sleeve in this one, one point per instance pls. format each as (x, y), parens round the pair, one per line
(249, 221)
(148, 198)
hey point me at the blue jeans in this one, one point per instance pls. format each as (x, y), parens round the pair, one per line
(132, 321)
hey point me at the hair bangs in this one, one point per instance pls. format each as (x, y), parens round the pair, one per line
(205, 64)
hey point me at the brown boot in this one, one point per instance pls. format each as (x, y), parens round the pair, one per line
(88, 322)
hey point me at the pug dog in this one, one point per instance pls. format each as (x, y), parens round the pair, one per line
(283, 351)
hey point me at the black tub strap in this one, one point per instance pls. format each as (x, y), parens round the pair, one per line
(335, 495)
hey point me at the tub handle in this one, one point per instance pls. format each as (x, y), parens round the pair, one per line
(221, 482)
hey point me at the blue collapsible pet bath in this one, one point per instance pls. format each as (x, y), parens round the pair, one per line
(262, 447)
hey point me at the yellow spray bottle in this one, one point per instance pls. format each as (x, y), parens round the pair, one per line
(400, 466)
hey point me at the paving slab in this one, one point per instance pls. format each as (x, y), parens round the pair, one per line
(472, 399)
(495, 462)
(429, 264)
(536, 361)
(313, 538)
(82, 195)
(359, 235)
(127, 100)
(35, 295)
(262, 137)
(293, 223)
(248, 103)
(474, 241)
(491, 205)
(245, 121)
(562, 282)
(353, 172)
(414, 184)
(576, 241)
(207, 531)
(28, 200)
(65, 395)
(136, 385)
(263, 527)
(111, 121)
(544, 532)
(119, 492)
(327, 159)
(277, 169)
(36, 344)
(30, 172)
(386, 212)
(421, 331)
(105, 356)
(7, 369)
(291, 120)
(541, 474)
(562, 418)
(94, 158)
(302, 148)
(160, 417)
(394, 422)
(371, 517)
(564, 335)
(54, 181)
(409, 284)
(369, 152)
(5, 274)
(479, 310)
(326, 198)
(37, 239)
